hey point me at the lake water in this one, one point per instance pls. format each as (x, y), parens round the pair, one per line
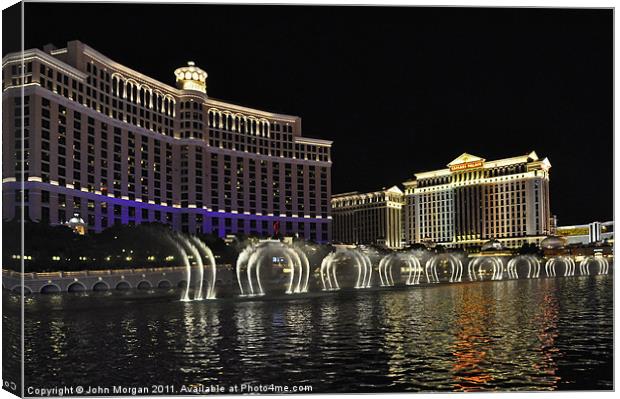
(543, 334)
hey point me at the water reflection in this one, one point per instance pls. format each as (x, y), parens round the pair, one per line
(507, 335)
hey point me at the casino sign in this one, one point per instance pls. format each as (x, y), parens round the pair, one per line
(465, 162)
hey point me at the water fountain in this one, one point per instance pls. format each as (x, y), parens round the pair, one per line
(212, 271)
(290, 260)
(194, 249)
(440, 260)
(603, 265)
(566, 261)
(413, 269)
(271, 266)
(532, 262)
(478, 268)
(346, 255)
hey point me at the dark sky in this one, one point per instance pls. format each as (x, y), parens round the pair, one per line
(398, 90)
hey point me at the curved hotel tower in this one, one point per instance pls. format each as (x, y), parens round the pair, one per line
(119, 147)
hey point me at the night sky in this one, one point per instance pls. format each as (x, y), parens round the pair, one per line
(398, 90)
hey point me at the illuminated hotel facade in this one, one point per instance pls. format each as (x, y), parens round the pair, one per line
(369, 218)
(464, 205)
(590, 233)
(474, 200)
(119, 147)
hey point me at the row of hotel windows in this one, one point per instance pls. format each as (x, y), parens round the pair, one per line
(22, 137)
(495, 193)
(368, 225)
(473, 175)
(100, 141)
(379, 200)
(74, 150)
(495, 215)
(156, 112)
(354, 207)
(191, 123)
(445, 231)
(245, 184)
(370, 222)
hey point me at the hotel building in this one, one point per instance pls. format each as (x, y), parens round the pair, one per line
(369, 218)
(97, 138)
(590, 233)
(473, 200)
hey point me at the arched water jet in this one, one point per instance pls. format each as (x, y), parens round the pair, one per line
(385, 270)
(533, 266)
(188, 267)
(415, 270)
(603, 265)
(571, 271)
(550, 267)
(601, 262)
(250, 263)
(511, 269)
(201, 270)
(329, 268)
(328, 272)
(471, 268)
(566, 261)
(535, 262)
(584, 266)
(241, 267)
(364, 267)
(431, 277)
(382, 262)
(456, 268)
(306, 266)
(208, 254)
(324, 273)
(479, 262)
(498, 268)
(189, 248)
(386, 265)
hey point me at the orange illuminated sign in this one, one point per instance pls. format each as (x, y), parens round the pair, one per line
(466, 165)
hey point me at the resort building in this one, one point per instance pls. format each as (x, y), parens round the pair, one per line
(595, 232)
(473, 200)
(93, 138)
(369, 218)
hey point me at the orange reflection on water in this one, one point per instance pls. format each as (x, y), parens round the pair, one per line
(469, 373)
(547, 333)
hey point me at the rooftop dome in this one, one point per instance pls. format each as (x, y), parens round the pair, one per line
(553, 242)
(492, 245)
(77, 224)
(76, 219)
(191, 77)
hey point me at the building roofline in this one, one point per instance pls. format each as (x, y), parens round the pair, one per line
(91, 52)
(208, 100)
(487, 165)
(310, 140)
(392, 189)
(350, 193)
(35, 52)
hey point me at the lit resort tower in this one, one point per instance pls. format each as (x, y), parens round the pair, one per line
(369, 218)
(97, 138)
(474, 200)
(466, 204)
